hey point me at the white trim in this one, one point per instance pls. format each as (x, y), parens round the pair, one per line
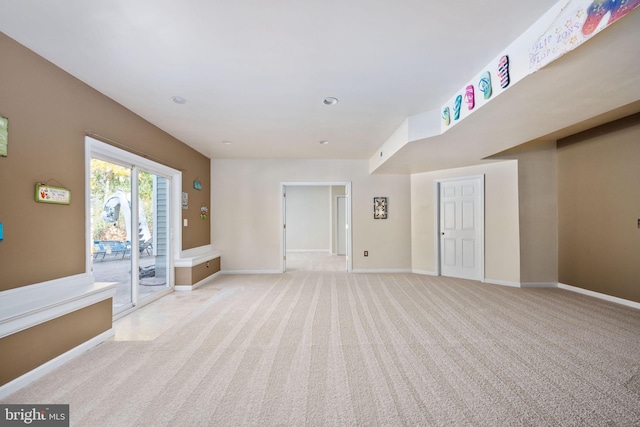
(27, 306)
(381, 271)
(187, 288)
(315, 183)
(51, 365)
(436, 227)
(598, 295)
(196, 256)
(337, 234)
(424, 272)
(539, 285)
(328, 251)
(503, 283)
(250, 272)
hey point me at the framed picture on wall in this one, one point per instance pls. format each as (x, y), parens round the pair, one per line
(380, 208)
(185, 200)
(4, 136)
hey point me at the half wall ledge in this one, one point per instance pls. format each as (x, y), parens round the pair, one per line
(195, 267)
(28, 306)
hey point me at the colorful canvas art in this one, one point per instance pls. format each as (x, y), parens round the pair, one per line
(576, 23)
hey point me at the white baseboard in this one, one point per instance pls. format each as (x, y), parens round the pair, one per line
(182, 288)
(51, 365)
(424, 272)
(539, 285)
(380, 271)
(598, 295)
(502, 283)
(250, 272)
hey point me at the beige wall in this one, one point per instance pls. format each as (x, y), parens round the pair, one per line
(538, 199)
(502, 241)
(309, 218)
(246, 211)
(599, 209)
(49, 111)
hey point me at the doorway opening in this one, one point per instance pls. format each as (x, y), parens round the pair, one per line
(129, 225)
(316, 218)
(460, 227)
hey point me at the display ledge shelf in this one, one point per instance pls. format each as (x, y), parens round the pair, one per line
(28, 306)
(195, 256)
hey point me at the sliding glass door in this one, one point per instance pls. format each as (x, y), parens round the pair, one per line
(130, 232)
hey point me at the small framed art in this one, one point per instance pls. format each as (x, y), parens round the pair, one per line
(185, 200)
(4, 136)
(380, 208)
(49, 194)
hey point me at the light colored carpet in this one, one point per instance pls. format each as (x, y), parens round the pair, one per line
(326, 348)
(315, 261)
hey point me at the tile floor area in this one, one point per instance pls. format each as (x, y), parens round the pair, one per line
(152, 320)
(149, 322)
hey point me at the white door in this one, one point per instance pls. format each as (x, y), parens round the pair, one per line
(284, 228)
(462, 227)
(341, 225)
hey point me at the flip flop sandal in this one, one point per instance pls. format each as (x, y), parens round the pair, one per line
(620, 8)
(595, 12)
(446, 116)
(503, 71)
(456, 107)
(469, 97)
(485, 84)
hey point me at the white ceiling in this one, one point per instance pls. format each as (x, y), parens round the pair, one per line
(256, 72)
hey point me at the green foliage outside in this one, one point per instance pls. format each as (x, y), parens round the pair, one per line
(106, 179)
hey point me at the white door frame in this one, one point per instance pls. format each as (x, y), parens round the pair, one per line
(337, 215)
(436, 191)
(283, 218)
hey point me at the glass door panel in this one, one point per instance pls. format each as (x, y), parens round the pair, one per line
(153, 232)
(111, 229)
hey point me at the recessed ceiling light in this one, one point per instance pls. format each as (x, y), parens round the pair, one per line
(178, 100)
(227, 142)
(330, 100)
(324, 142)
